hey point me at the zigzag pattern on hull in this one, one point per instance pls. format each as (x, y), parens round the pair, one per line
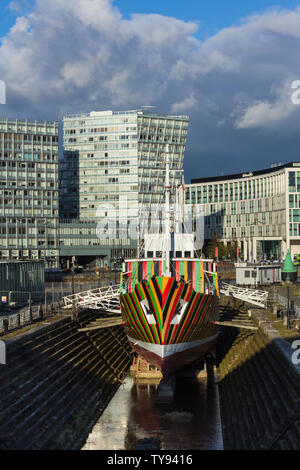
(164, 295)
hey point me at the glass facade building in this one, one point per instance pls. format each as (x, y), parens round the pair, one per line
(113, 168)
(29, 198)
(260, 209)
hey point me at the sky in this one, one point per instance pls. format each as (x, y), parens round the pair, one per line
(228, 65)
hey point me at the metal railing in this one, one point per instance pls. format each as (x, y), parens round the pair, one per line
(282, 300)
(26, 316)
(252, 296)
(59, 299)
(103, 298)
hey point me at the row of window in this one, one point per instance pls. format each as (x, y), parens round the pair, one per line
(243, 232)
(26, 193)
(23, 174)
(29, 212)
(29, 138)
(147, 122)
(30, 156)
(225, 192)
(41, 166)
(18, 203)
(241, 207)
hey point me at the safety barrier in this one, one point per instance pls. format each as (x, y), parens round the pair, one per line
(103, 298)
(252, 296)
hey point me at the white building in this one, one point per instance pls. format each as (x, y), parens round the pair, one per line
(260, 209)
(113, 167)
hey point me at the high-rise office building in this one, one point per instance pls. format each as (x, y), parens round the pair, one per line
(113, 165)
(29, 198)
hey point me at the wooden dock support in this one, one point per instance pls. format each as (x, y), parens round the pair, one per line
(142, 371)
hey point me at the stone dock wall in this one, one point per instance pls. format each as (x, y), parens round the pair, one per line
(259, 388)
(57, 381)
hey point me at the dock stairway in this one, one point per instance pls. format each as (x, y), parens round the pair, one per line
(235, 319)
(104, 321)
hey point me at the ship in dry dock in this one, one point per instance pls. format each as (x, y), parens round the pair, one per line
(169, 303)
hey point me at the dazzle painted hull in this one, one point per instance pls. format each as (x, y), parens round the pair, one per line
(169, 324)
(169, 362)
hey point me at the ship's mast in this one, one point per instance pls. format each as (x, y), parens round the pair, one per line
(167, 215)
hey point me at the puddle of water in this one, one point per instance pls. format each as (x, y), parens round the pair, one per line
(191, 422)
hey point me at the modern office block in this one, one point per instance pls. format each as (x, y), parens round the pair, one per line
(29, 202)
(113, 172)
(260, 209)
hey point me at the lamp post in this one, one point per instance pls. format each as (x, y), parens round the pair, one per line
(44, 226)
(46, 242)
(72, 271)
(288, 276)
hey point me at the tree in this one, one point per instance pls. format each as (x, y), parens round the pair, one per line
(228, 251)
(232, 247)
(214, 243)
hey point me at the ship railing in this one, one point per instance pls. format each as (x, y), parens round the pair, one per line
(102, 298)
(252, 296)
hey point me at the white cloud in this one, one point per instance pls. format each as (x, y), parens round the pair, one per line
(77, 55)
(89, 50)
(263, 113)
(187, 104)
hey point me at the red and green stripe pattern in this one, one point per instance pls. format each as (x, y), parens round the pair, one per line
(164, 295)
(182, 270)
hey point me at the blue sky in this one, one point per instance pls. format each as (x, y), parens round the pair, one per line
(8, 16)
(212, 15)
(230, 71)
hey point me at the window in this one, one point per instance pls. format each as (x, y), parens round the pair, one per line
(226, 192)
(221, 192)
(259, 205)
(216, 193)
(247, 273)
(292, 181)
(187, 196)
(199, 194)
(193, 195)
(296, 214)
